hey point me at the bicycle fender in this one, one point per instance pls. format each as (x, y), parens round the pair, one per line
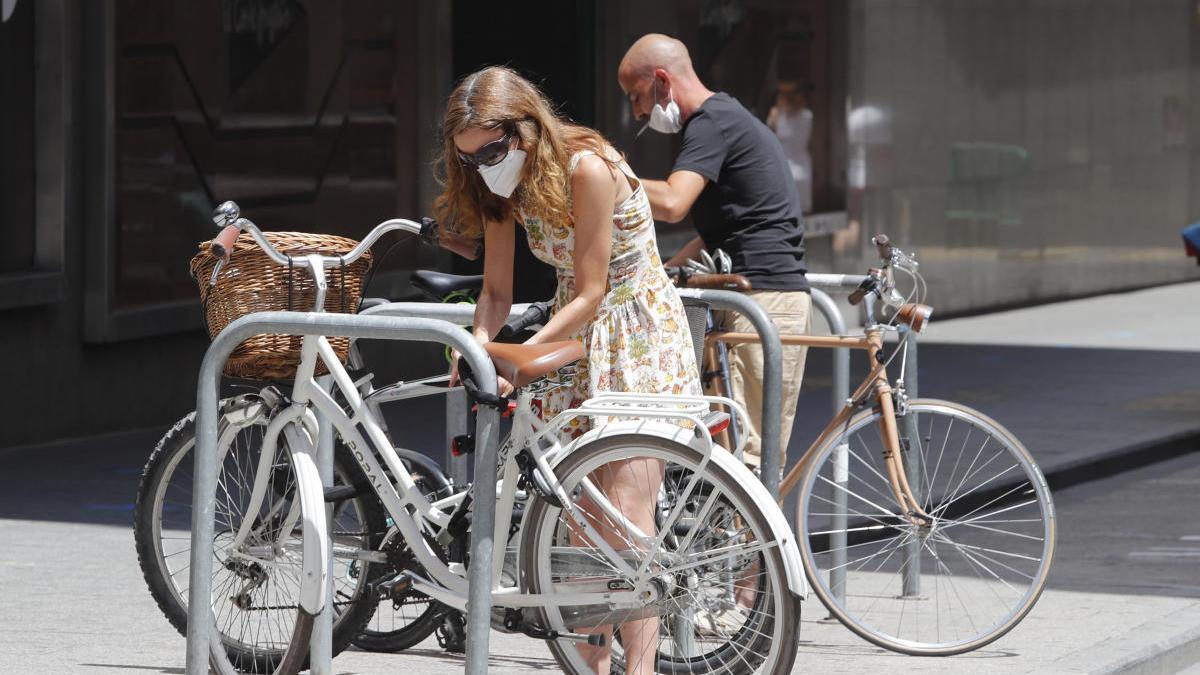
(312, 500)
(780, 529)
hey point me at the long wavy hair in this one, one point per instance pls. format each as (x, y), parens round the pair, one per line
(497, 97)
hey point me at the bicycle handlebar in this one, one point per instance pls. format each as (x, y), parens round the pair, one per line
(537, 313)
(228, 215)
(892, 256)
(884, 246)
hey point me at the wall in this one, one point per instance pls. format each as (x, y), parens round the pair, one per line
(1027, 150)
(83, 357)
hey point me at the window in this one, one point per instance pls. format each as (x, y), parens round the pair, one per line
(31, 153)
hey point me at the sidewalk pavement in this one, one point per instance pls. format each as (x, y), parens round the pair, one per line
(1089, 386)
(1088, 391)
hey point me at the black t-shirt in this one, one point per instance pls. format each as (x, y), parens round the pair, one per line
(750, 206)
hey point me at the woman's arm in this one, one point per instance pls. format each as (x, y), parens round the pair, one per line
(495, 300)
(594, 193)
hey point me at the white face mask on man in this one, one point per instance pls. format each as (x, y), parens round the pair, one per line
(503, 177)
(666, 120)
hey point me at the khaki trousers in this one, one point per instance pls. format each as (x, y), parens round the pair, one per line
(791, 313)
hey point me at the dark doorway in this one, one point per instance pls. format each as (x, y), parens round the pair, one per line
(552, 44)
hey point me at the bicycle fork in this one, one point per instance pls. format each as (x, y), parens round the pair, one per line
(298, 426)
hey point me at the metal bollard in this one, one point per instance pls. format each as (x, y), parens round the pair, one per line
(911, 565)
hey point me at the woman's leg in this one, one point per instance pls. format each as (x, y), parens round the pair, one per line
(632, 488)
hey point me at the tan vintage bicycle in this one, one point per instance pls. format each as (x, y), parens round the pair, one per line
(924, 526)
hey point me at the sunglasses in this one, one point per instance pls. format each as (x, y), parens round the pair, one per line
(490, 154)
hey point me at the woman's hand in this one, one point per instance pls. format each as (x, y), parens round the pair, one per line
(503, 386)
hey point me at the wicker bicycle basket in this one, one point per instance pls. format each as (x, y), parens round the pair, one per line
(252, 282)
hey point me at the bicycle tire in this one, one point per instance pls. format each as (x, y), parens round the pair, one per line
(763, 641)
(980, 471)
(172, 452)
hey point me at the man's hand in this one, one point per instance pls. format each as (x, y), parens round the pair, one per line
(689, 251)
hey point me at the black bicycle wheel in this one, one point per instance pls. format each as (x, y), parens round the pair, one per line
(406, 620)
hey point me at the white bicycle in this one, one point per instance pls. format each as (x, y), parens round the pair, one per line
(720, 571)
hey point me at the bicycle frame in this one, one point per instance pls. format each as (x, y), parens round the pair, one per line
(876, 385)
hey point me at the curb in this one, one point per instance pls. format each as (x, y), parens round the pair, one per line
(1181, 648)
(1169, 655)
(1120, 460)
(1161, 656)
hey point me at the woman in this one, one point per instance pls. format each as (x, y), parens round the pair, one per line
(509, 159)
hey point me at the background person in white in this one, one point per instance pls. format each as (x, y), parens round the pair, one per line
(792, 121)
(732, 175)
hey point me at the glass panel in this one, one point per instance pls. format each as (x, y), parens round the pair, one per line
(16, 140)
(302, 112)
(1028, 150)
(775, 57)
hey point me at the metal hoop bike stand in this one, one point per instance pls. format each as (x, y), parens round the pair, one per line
(772, 383)
(456, 400)
(204, 485)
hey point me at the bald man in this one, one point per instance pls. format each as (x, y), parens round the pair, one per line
(732, 175)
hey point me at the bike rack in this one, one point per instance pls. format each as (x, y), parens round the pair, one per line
(461, 314)
(204, 483)
(772, 373)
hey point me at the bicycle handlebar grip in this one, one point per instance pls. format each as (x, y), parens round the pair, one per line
(465, 247)
(538, 313)
(884, 245)
(222, 246)
(868, 285)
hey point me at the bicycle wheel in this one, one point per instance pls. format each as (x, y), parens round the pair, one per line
(949, 587)
(722, 601)
(256, 633)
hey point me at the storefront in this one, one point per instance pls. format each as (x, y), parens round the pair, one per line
(1027, 151)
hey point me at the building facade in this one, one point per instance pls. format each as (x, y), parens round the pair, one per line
(1027, 151)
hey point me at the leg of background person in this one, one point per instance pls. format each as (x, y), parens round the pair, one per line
(792, 314)
(790, 310)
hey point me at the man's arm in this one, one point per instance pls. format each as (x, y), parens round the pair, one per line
(690, 251)
(672, 199)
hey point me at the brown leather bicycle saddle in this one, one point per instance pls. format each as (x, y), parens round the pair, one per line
(522, 364)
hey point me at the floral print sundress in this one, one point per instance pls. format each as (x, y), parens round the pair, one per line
(639, 340)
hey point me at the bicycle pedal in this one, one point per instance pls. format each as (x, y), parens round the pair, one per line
(394, 587)
(451, 633)
(337, 493)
